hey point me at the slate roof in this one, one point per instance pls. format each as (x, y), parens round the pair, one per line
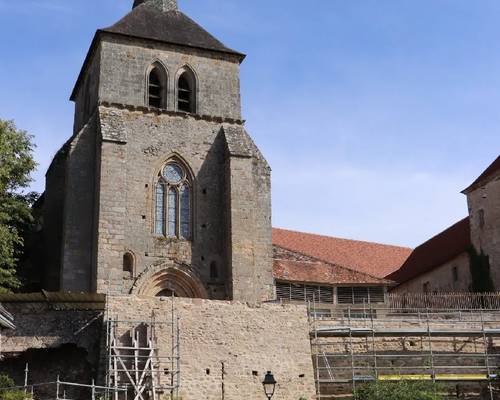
(172, 27)
(435, 252)
(374, 259)
(490, 172)
(146, 22)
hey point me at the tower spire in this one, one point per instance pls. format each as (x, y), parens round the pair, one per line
(163, 5)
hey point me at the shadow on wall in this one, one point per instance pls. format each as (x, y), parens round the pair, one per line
(209, 255)
(69, 362)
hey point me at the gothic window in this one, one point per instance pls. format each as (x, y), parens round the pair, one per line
(186, 92)
(157, 87)
(173, 202)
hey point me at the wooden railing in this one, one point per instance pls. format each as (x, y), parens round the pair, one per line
(443, 301)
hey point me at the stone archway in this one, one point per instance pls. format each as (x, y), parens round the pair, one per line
(168, 280)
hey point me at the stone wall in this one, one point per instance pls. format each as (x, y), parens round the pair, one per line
(48, 325)
(54, 340)
(79, 211)
(53, 217)
(111, 166)
(125, 63)
(248, 196)
(87, 97)
(249, 341)
(441, 279)
(135, 146)
(484, 211)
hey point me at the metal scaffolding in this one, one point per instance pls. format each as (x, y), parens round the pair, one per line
(350, 348)
(137, 361)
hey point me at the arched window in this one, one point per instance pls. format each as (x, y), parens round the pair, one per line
(157, 83)
(173, 202)
(186, 92)
(128, 263)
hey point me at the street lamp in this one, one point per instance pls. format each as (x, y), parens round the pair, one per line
(269, 384)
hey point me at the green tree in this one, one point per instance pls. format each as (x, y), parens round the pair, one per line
(9, 394)
(402, 390)
(16, 165)
(479, 265)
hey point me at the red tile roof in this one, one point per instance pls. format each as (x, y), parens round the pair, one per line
(377, 260)
(322, 273)
(435, 252)
(488, 173)
(297, 267)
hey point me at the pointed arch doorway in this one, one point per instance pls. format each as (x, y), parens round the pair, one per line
(169, 280)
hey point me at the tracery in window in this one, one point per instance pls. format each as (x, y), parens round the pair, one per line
(186, 91)
(157, 82)
(173, 202)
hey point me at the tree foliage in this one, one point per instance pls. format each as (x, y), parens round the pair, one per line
(402, 390)
(16, 165)
(479, 265)
(9, 394)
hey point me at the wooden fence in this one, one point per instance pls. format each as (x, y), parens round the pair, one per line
(444, 301)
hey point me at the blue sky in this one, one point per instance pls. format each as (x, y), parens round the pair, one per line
(374, 114)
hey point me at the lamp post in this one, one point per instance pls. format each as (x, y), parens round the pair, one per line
(269, 384)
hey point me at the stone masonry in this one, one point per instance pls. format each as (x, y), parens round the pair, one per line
(249, 341)
(100, 190)
(484, 211)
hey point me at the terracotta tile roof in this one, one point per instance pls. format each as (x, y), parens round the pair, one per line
(488, 173)
(297, 267)
(322, 273)
(435, 252)
(374, 259)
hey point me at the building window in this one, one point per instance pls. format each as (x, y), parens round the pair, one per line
(301, 292)
(173, 202)
(454, 272)
(360, 295)
(481, 218)
(157, 82)
(128, 263)
(186, 91)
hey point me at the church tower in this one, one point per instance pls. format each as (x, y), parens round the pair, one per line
(160, 190)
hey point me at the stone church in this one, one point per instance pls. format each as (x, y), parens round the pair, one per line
(159, 206)
(160, 190)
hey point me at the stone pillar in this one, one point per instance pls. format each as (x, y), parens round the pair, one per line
(248, 193)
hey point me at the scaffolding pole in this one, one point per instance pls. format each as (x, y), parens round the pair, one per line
(340, 368)
(139, 365)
